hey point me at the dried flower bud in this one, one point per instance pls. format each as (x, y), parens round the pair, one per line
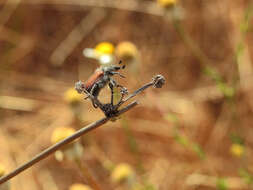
(158, 81)
(124, 91)
(79, 186)
(79, 86)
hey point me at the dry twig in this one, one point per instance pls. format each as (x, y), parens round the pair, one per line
(156, 82)
(60, 144)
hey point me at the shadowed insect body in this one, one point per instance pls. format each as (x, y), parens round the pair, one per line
(101, 77)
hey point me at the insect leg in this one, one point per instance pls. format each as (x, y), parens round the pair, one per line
(93, 89)
(114, 73)
(111, 85)
(123, 90)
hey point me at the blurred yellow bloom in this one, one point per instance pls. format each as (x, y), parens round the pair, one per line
(122, 172)
(72, 96)
(79, 186)
(61, 133)
(126, 51)
(71, 151)
(2, 170)
(105, 48)
(167, 3)
(237, 149)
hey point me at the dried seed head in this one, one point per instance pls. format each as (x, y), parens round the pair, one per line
(79, 87)
(124, 91)
(158, 81)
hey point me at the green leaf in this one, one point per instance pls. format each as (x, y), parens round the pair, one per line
(221, 184)
(248, 178)
(196, 148)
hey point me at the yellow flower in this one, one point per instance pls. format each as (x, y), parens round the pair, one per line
(237, 149)
(61, 133)
(71, 151)
(126, 51)
(72, 96)
(167, 3)
(122, 172)
(2, 170)
(79, 186)
(104, 48)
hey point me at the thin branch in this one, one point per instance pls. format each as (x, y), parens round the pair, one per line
(60, 144)
(157, 82)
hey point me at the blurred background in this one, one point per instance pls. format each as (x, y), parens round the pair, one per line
(194, 133)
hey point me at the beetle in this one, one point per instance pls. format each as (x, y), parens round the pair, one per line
(100, 78)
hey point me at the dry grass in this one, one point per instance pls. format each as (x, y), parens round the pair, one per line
(179, 137)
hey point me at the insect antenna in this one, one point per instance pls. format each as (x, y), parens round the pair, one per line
(123, 66)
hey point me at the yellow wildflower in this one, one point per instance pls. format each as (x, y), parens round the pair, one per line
(122, 172)
(104, 48)
(237, 149)
(72, 96)
(2, 170)
(61, 133)
(167, 3)
(79, 186)
(126, 51)
(71, 151)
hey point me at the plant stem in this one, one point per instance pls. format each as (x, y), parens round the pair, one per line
(88, 175)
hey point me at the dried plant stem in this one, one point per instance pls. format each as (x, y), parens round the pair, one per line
(78, 33)
(60, 144)
(135, 93)
(197, 52)
(157, 82)
(88, 175)
(8, 9)
(129, 5)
